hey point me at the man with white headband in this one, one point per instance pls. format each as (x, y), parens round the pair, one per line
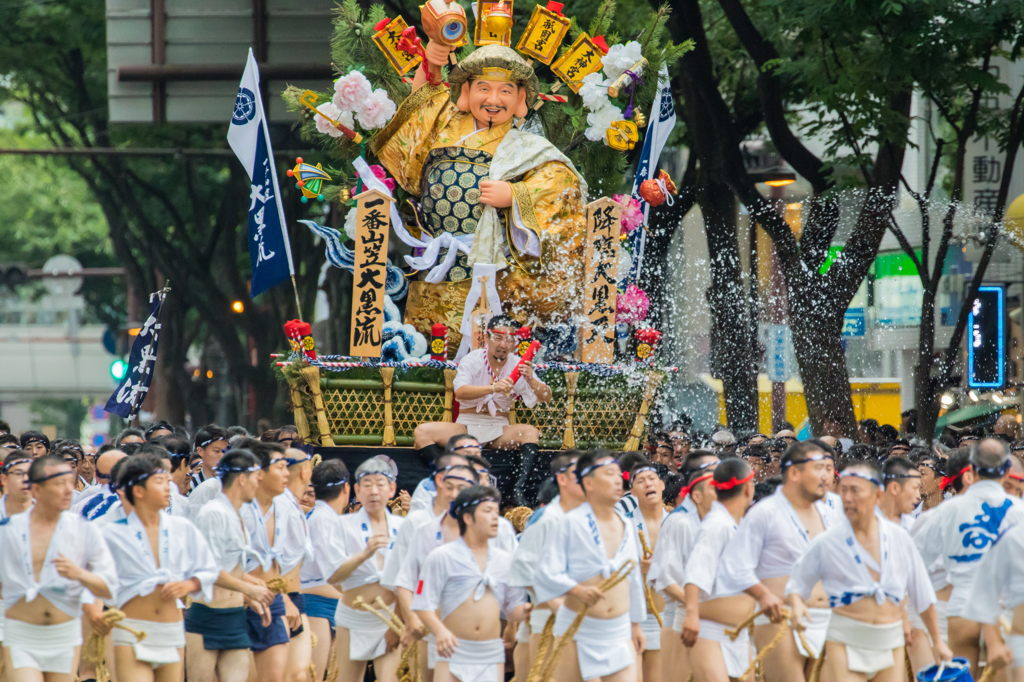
(710, 609)
(529, 551)
(458, 446)
(962, 531)
(216, 640)
(486, 392)
(427, 536)
(468, 581)
(675, 543)
(295, 548)
(647, 488)
(867, 566)
(367, 537)
(43, 629)
(591, 545)
(160, 559)
(758, 560)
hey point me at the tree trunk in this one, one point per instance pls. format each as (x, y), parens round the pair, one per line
(817, 342)
(732, 355)
(924, 386)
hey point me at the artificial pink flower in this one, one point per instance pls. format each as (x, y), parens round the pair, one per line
(631, 307)
(381, 174)
(375, 110)
(632, 212)
(351, 91)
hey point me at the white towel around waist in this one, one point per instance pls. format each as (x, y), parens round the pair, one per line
(603, 646)
(46, 648)
(477, 661)
(160, 645)
(365, 633)
(868, 647)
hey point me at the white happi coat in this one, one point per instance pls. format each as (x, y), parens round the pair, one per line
(451, 575)
(74, 538)
(962, 531)
(769, 541)
(575, 552)
(704, 563)
(355, 533)
(839, 561)
(475, 370)
(531, 543)
(324, 527)
(675, 543)
(999, 581)
(288, 547)
(225, 533)
(184, 554)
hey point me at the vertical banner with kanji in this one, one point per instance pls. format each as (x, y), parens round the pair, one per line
(581, 59)
(600, 284)
(126, 401)
(373, 221)
(387, 40)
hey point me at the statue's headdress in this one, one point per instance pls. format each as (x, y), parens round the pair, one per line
(494, 63)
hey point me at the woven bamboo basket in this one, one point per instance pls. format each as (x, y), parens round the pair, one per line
(359, 408)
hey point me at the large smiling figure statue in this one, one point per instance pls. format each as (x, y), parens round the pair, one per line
(488, 192)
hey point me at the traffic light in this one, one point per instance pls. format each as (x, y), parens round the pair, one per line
(13, 275)
(118, 368)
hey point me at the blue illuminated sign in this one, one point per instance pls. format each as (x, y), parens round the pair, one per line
(986, 341)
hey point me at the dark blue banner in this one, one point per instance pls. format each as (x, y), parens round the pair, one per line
(126, 401)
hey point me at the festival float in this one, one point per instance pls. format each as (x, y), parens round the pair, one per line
(484, 208)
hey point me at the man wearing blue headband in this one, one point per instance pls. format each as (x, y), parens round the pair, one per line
(528, 552)
(867, 566)
(962, 529)
(16, 496)
(216, 639)
(467, 580)
(771, 538)
(591, 544)
(42, 618)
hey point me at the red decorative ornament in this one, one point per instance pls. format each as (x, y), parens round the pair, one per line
(651, 193)
(439, 342)
(645, 343)
(601, 44)
(525, 335)
(300, 338)
(379, 26)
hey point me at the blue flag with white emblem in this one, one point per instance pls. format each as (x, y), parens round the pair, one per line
(269, 250)
(662, 121)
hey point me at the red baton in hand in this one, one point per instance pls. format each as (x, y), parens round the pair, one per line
(527, 356)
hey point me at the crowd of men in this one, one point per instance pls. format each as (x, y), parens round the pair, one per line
(241, 559)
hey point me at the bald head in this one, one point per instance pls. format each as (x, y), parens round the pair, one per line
(785, 433)
(107, 461)
(989, 456)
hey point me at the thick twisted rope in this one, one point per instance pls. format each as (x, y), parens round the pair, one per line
(332, 665)
(546, 636)
(95, 647)
(647, 588)
(617, 577)
(785, 628)
(278, 585)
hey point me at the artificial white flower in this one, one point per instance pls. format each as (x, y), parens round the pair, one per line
(325, 126)
(594, 91)
(376, 110)
(599, 122)
(350, 224)
(351, 91)
(620, 57)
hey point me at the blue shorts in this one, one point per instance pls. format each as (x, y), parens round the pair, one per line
(299, 600)
(322, 607)
(262, 638)
(221, 629)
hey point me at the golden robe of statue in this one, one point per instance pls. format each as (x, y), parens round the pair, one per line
(440, 154)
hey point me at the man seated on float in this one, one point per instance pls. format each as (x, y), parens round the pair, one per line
(486, 394)
(867, 566)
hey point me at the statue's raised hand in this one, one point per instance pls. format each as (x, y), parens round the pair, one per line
(496, 193)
